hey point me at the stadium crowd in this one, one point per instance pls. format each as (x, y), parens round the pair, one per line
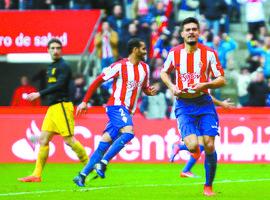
(158, 23)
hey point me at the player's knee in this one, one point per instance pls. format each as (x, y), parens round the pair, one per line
(70, 141)
(127, 129)
(192, 146)
(106, 137)
(44, 141)
(209, 147)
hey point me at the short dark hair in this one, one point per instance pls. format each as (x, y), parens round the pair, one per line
(133, 43)
(54, 40)
(190, 20)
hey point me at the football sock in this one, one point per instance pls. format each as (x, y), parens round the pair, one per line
(182, 147)
(95, 158)
(80, 151)
(191, 162)
(197, 153)
(117, 145)
(210, 165)
(41, 160)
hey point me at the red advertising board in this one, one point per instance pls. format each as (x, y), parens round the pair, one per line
(29, 31)
(244, 137)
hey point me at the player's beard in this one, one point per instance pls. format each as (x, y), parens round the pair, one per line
(143, 57)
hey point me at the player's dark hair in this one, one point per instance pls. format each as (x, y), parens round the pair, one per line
(133, 43)
(54, 40)
(188, 21)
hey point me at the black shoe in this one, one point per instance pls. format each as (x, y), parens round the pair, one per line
(100, 169)
(79, 180)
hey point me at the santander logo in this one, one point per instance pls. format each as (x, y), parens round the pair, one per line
(30, 144)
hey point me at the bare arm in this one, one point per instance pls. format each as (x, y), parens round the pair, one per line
(216, 83)
(167, 81)
(82, 107)
(226, 104)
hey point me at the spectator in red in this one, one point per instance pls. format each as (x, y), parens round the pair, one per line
(20, 94)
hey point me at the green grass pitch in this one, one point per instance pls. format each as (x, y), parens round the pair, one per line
(136, 182)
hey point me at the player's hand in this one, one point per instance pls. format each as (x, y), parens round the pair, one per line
(176, 91)
(152, 90)
(227, 104)
(81, 109)
(33, 96)
(197, 87)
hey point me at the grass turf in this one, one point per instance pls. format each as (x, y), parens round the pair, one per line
(136, 181)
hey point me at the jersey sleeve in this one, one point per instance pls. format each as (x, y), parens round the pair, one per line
(215, 66)
(169, 62)
(146, 84)
(147, 77)
(111, 72)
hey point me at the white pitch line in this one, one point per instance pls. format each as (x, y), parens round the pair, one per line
(128, 186)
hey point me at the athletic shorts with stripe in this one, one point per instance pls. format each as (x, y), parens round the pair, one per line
(60, 119)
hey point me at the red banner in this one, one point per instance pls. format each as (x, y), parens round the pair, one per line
(244, 137)
(29, 31)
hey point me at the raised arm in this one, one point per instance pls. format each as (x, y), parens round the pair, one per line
(226, 104)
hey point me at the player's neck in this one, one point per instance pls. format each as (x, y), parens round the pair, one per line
(134, 60)
(190, 48)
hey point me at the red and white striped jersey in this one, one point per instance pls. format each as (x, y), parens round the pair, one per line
(128, 82)
(193, 67)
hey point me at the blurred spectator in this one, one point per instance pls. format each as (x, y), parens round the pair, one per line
(159, 14)
(40, 77)
(128, 9)
(78, 89)
(60, 4)
(26, 4)
(243, 81)
(258, 90)
(2, 4)
(187, 8)
(223, 46)
(20, 94)
(212, 11)
(100, 97)
(255, 17)
(154, 35)
(42, 4)
(132, 33)
(82, 4)
(142, 9)
(156, 69)
(154, 107)
(106, 43)
(263, 51)
(225, 18)
(5, 4)
(119, 23)
(235, 12)
(162, 47)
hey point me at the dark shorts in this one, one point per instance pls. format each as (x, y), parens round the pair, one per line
(197, 116)
(119, 117)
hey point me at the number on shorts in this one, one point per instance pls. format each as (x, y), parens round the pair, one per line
(122, 113)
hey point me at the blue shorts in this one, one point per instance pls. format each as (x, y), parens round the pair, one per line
(119, 117)
(197, 116)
